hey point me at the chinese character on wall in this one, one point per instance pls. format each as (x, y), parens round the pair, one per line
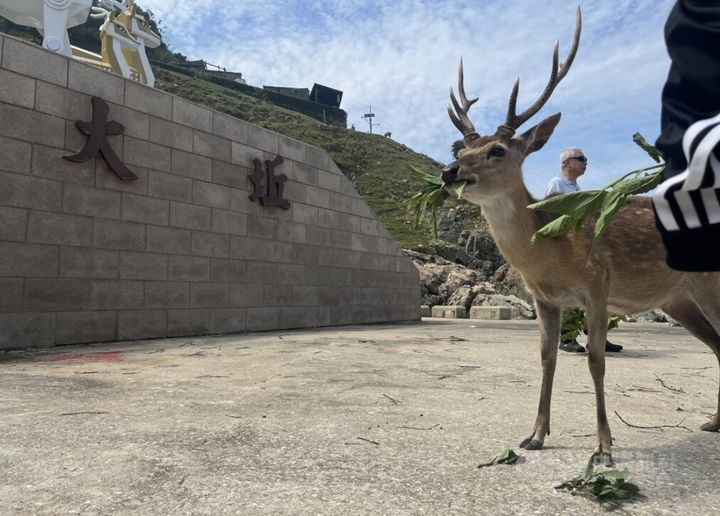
(97, 144)
(267, 186)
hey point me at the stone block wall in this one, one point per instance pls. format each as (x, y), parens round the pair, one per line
(183, 250)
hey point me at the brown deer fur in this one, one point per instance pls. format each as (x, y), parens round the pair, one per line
(625, 273)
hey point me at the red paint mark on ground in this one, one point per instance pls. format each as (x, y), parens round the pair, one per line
(103, 356)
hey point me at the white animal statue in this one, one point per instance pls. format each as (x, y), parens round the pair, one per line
(51, 18)
(124, 35)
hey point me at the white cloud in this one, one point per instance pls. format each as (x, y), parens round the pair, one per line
(401, 57)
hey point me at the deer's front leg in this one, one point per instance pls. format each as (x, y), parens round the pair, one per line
(597, 336)
(549, 319)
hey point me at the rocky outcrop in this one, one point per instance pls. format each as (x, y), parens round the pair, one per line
(454, 226)
(520, 309)
(443, 282)
(508, 280)
(461, 243)
(483, 253)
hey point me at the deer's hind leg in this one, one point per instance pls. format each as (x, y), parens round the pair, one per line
(694, 320)
(549, 319)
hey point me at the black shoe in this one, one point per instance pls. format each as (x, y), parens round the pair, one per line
(612, 348)
(572, 346)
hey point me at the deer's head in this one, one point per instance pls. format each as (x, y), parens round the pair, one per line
(493, 164)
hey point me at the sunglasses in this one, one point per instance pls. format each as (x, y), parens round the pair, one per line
(582, 159)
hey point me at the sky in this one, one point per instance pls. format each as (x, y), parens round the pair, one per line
(401, 57)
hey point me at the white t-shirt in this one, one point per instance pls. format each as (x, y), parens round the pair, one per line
(560, 185)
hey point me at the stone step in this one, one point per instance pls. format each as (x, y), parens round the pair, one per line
(491, 312)
(449, 311)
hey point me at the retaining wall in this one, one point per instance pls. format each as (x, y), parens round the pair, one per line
(182, 250)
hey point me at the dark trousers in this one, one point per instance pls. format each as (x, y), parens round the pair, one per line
(687, 203)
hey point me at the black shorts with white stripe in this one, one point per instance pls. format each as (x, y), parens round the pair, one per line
(687, 203)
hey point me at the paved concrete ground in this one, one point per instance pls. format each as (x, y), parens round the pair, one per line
(388, 419)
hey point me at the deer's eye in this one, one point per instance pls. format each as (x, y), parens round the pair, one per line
(498, 152)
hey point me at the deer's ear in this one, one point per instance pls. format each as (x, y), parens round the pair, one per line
(534, 139)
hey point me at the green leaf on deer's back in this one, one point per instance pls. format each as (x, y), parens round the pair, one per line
(557, 227)
(579, 223)
(612, 205)
(652, 151)
(639, 185)
(575, 203)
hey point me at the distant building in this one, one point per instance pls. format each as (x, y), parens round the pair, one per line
(195, 66)
(200, 67)
(298, 93)
(325, 95)
(222, 74)
(322, 103)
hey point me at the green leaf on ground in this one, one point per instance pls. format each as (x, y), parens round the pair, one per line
(507, 456)
(601, 486)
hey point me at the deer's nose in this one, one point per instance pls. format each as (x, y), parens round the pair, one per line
(449, 173)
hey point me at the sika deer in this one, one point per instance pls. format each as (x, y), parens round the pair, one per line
(625, 273)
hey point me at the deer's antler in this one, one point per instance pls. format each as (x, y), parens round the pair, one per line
(514, 121)
(459, 116)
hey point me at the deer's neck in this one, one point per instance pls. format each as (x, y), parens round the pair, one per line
(512, 225)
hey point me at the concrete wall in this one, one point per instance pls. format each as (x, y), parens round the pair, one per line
(183, 250)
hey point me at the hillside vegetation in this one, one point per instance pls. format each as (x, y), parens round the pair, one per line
(378, 167)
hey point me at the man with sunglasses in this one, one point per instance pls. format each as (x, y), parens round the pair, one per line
(573, 164)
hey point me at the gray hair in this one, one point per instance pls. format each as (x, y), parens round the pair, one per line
(568, 153)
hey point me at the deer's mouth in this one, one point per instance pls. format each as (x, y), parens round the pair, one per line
(450, 174)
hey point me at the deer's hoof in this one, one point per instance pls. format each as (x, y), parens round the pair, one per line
(710, 427)
(602, 459)
(531, 444)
